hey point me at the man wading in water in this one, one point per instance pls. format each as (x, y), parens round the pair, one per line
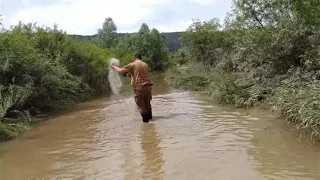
(142, 85)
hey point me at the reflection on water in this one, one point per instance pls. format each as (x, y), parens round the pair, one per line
(279, 153)
(190, 138)
(153, 162)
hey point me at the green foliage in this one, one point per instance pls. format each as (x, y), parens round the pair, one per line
(182, 55)
(10, 131)
(206, 41)
(10, 96)
(267, 53)
(275, 13)
(225, 90)
(107, 36)
(187, 81)
(171, 61)
(43, 69)
(191, 77)
(23, 63)
(172, 39)
(150, 44)
(299, 104)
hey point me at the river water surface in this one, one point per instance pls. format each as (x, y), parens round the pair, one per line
(190, 138)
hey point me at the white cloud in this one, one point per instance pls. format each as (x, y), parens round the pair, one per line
(174, 26)
(84, 16)
(25, 2)
(204, 2)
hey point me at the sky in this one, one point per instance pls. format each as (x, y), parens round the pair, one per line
(85, 17)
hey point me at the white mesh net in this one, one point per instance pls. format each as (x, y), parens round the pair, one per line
(114, 78)
(116, 85)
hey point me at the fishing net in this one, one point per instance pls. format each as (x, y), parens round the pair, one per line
(116, 85)
(114, 78)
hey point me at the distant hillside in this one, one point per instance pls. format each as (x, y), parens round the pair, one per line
(172, 38)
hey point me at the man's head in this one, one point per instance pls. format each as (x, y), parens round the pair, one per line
(137, 57)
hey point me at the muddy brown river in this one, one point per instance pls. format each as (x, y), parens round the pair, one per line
(190, 138)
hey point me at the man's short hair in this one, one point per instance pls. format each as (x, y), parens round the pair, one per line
(137, 56)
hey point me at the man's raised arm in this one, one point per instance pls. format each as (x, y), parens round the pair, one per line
(126, 69)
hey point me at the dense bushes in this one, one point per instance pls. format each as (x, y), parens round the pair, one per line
(51, 67)
(267, 53)
(43, 70)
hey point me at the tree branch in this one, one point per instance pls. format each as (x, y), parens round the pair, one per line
(255, 15)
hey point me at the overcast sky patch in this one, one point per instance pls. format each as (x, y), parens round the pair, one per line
(86, 16)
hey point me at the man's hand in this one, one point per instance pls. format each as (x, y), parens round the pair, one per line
(120, 70)
(113, 66)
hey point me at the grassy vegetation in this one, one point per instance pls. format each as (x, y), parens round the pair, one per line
(267, 54)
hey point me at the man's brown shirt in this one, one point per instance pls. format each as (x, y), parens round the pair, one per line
(139, 71)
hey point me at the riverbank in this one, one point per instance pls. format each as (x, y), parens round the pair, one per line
(295, 100)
